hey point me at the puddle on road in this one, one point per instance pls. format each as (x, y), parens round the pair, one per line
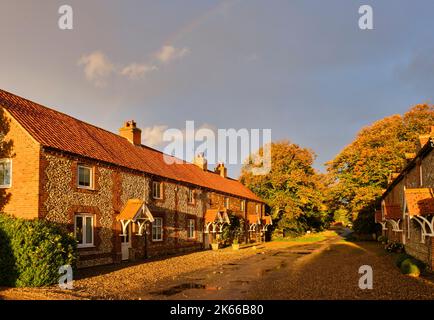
(301, 252)
(281, 265)
(182, 287)
(289, 254)
(178, 289)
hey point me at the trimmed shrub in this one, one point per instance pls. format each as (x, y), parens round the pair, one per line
(32, 251)
(400, 258)
(409, 267)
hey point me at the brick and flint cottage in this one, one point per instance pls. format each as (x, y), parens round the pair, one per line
(407, 205)
(119, 198)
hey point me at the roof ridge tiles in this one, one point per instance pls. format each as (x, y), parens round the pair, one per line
(61, 131)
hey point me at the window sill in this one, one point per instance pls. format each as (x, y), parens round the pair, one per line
(6, 187)
(86, 246)
(85, 188)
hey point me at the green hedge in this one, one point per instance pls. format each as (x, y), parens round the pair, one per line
(31, 252)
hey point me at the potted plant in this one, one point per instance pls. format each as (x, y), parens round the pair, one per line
(215, 244)
(235, 245)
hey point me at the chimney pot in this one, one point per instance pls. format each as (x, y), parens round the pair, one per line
(130, 132)
(221, 170)
(200, 161)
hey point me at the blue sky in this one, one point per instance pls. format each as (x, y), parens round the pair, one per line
(301, 68)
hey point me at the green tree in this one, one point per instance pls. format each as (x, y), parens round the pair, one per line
(292, 189)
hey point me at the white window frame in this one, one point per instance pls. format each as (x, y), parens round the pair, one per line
(91, 177)
(243, 205)
(7, 186)
(257, 209)
(160, 184)
(190, 196)
(154, 225)
(84, 216)
(191, 229)
(227, 202)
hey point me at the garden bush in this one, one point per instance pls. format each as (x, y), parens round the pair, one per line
(410, 267)
(31, 252)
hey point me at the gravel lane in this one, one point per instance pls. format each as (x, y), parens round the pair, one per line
(332, 273)
(277, 270)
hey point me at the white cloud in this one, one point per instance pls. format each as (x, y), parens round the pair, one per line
(136, 71)
(97, 68)
(170, 53)
(153, 136)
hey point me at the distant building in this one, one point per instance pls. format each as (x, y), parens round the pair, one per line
(407, 205)
(119, 198)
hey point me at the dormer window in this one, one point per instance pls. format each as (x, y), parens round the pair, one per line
(157, 190)
(5, 173)
(85, 177)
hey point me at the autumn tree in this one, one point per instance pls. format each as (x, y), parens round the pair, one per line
(292, 189)
(360, 171)
(5, 151)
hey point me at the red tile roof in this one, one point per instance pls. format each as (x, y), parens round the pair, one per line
(59, 131)
(420, 201)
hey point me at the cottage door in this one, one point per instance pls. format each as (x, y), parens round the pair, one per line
(126, 243)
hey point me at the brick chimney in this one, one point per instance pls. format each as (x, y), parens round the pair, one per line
(200, 161)
(221, 170)
(130, 132)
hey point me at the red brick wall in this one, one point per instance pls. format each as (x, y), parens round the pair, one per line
(24, 201)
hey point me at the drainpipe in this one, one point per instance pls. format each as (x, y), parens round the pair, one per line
(146, 224)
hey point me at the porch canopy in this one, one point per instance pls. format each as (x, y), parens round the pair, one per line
(420, 207)
(216, 219)
(136, 211)
(254, 221)
(392, 211)
(379, 219)
(393, 215)
(266, 221)
(420, 201)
